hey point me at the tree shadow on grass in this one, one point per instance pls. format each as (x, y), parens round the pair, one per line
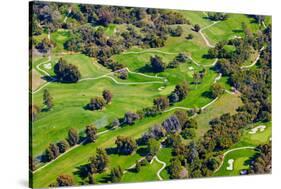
(237, 31)
(82, 171)
(111, 150)
(145, 69)
(105, 179)
(207, 94)
(143, 151)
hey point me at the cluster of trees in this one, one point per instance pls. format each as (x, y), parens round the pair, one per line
(54, 150)
(179, 93)
(157, 64)
(125, 145)
(116, 174)
(176, 32)
(65, 72)
(97, 163)
(254, 84)
(44, 46)
(180, 58)
(98, 103)
(216, 16)
(216, 90)
(262, 163)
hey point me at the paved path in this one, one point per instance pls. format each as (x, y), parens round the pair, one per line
(66, 17)
(232, 150)
(204, 37)
(69, 150)
(161, 169)
(256, 60)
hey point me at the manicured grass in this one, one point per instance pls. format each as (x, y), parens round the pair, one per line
(147, 173)
(196, 17)
(59, 37)
(69, 163)
(229, 28)
(241, 161)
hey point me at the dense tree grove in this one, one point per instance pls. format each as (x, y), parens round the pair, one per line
(261, 163)
(67, 73)
(125, 145)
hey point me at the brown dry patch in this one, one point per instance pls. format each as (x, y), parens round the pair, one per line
(35, 80)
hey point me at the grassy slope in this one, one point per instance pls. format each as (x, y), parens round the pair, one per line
(147, 173)
(229, 28)
(79, 156)
(225, 104)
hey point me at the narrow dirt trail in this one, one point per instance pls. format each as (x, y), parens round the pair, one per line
(204, 37)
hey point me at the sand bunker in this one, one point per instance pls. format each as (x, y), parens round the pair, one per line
(48, 66)
(161, 88)
(190, 68)
(230, 164)
(258, 128)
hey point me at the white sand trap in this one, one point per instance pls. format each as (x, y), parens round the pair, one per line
(258, 128)
(190, 68)
(48, 66)
(230, 164)
(161, 88)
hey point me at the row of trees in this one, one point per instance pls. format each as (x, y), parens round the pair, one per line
(54, 150)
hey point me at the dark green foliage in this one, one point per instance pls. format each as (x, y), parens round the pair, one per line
(161, 103)
(47, 100)
(52, 152)
(97, 103)
(182, 116)
(157, 64)
(262, 163)
(67, 73)
(191, 123)
(98, 162)
(153, 146)
(125, 145)
(176, 32)
(116, 174)
(91, 133)
(130, 118)
(189, 36)
(73, 137)
(138, 166)
(65, 180)
(197, 27)
(44, 46)
(188, 133)
(179, 93)
(107, 95)
(91, 179)
(216, 16)
(156, 132)
(175, 168)
(216, 90)
(63, 146)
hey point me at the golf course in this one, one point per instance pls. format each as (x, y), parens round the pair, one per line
(121, 94)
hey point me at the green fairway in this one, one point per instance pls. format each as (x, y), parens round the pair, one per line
(241, 160)
(230, 28)
(147, 173)
(103, 43)
(80, 155)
